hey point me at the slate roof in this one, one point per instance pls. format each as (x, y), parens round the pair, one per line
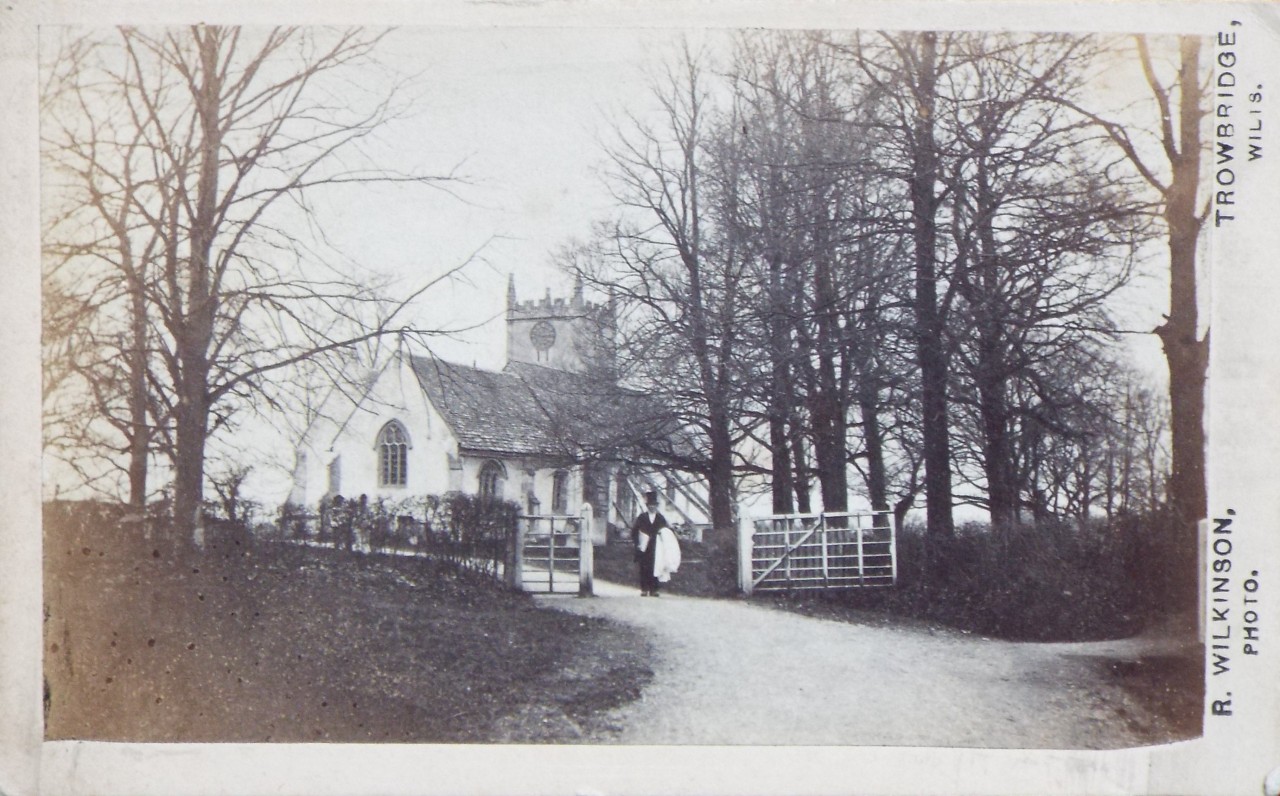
(532, 410)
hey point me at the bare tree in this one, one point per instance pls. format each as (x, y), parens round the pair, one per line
(755, 140)
(908, 71)
(1180, 102)
(97, 271)
(675, 278)
(1136, 448)
(1186, 352)
(1042, 235)
(229, 486)
(819, 222)
(891, 252)
(217, 143)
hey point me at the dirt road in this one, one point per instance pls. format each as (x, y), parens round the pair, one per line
(729, 672)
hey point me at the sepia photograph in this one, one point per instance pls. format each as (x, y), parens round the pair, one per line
(589, 389)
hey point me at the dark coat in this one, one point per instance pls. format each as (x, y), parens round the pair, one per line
(642, 525)
(641, 530)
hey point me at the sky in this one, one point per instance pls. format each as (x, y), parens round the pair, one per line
(521, 114)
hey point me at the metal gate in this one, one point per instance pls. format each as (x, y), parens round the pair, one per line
(552, 554)
(828, 550)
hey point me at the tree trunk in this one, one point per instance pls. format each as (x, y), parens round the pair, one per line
(139, 431)
(793, 294)
(829, 405)
(873, 439)
(992, 355)
(929, 333)
(1184, 350)
(196, 328)
(1109, 485)
(782, 391)
(799, 459)
(868, 384)
(188, 483)
(782, 484)
(1127, 453)
(997, 454)
(900, 509)
(720, 480)
(1085, 489)
(829, 450)
(993, 409)
(1188, 362)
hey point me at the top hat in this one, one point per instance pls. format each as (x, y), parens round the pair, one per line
(651, 498)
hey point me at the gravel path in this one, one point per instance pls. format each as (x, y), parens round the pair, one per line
(729, 672)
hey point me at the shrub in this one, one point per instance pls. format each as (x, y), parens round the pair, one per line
(1056, 580)
(296, 522)
(464, 532)
(84, 524)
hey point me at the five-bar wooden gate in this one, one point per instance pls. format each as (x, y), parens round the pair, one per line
(827, 550)
(552, 554)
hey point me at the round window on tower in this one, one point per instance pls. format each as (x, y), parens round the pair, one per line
(542, 335)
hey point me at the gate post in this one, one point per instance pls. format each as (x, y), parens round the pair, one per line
(745, 527)
(891, 523)
(515, 557)
(586, 554)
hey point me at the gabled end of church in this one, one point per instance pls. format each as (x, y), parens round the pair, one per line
(551, 431)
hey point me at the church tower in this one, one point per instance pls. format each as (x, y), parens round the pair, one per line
(574, 335)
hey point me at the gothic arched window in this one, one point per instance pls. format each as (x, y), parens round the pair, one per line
(393, 455)
(560, 492)
(491, 475)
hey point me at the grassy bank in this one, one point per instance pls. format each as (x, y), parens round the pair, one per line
(272, 642)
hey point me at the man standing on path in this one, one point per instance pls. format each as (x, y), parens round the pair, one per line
(645, 532)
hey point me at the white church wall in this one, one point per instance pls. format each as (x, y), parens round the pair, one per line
(343, 456)
(313, 456)
(525, 475)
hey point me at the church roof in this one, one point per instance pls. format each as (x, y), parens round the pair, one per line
(529, 409)
(487, 410)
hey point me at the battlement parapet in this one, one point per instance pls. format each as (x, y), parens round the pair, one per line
(555, 305)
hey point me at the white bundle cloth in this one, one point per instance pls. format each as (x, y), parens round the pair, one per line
(666, 555)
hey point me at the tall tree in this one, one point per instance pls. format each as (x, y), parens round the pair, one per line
(675, 276)
(230, 134)
(909, 71)
(1186, 351)
(1042, 237)
(756, 138)
(97, 332)
(1180, 103)
(818, 225)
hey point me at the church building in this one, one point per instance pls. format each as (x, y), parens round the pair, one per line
(550, 431)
